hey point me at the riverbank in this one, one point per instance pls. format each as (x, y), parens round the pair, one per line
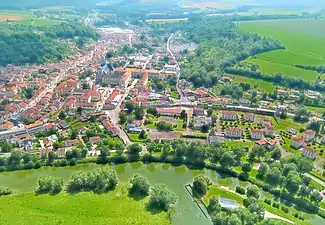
(113, 208)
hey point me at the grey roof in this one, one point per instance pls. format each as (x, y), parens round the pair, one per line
(227, 203)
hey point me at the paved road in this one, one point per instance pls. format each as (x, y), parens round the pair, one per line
(114, 115)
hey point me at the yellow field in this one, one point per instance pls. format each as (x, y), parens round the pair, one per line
(4, 17)
(166, 20)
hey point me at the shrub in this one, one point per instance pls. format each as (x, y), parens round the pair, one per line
(285, 209)
(276, 205)
(240, 190)
(267, 201)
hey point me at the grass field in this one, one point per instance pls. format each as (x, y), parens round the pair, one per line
(166, 20)
(26, 18)
(304, 41)
(259, 84)
(273, 68)
(114, 208)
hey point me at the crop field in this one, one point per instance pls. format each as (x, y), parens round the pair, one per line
(273, 68)
(166, 20)
(113, 208)
(304, 41)
(259, 84)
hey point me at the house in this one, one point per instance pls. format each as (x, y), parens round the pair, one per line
(282, 92)
(143, 80)
(113, 130)
(47, 142)
(71, 143)
(232, 132)
(134, 128)
(228, 115)
(28, 146)
(35, 127)
(198, 111)
(257, 134)
(6, 125)
(63, 125)
(249, 117)
(125, 79)
(70, 103)
(226, 203)
(297, 142)
(292, 131)
(261, 143)
(66, 87)
(309, 135)
(60, 153)
(271, 144)
(45, 151)
(309, 152)
(199, 121)
(213, 138)
(94, 140)
(169, 111)
(264, 121)
(269, 130)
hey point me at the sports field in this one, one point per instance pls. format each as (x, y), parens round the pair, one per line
(113, 208)
(304, 41)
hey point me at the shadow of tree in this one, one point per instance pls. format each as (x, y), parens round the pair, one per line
(136, 195)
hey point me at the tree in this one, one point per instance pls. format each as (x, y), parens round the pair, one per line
(273, 176)
(123, 117)
(289, 167)
(51, 156)
(315, 197)
(152, 111)
(304, 165)
(130, 106)
(293, 182)
(161, 198)
(252, 191)
(276, 154)
(219, 218)
(103, 157)
(143, 135)
(315, 125)
(183, 115)
(228, 159)
(5, 191)
(200, 186)
(259, 151)
(210, 111)
(134, 149)
(263, 169)
(62, 115)
(50, 184)
(15, 158)
(139, 113)
(304, 191)
(301, 115)
(239, 152)
(247, 167)
(205, 128)
(140, 185)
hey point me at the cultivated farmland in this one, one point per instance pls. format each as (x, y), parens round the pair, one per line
(304, 41)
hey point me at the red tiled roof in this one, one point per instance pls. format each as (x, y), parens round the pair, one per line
(234, 129)
(169, 110)
(298, 138)
(258, 131)
(228, 112)
(310, 149)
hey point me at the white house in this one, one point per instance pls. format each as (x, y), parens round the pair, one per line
(228, 115)
(257, 134)
(249, 117)
(269, 130)
(232, 132)
(297, 142)
(309, 135)
(309, 152)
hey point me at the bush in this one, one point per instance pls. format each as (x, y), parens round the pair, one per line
(48, 184)
(267, 201)
(284, 209)
(276, 205)
(140, 185)
(5, 191)
(240, 190)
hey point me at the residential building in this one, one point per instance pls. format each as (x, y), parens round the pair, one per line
(297, 142)
(169, 111)
(271, 144)
(94, 140)
(198, 111)
(35, 127)
(213, 138)
(124, 80)
(5, 125)
(143, 80)
(269, 130)
(66, 87)
(28, 145)
(112, 130)
(264, 121)
(134, 128)
(60, 153)
(228, 115)
(257, 134)
(232, 132)
(249, 117)
(71, 143)
(309, 135)
(261, 143)
(309, 152)
(292, 131)
(199, 121)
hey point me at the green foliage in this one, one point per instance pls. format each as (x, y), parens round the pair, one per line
(100, 180)
(163, 126)
(140, 185)
(48, 184)
(123, 117)
(161, 198)
(200, 186)
(252, 191)
(134, 149)
(5, 191)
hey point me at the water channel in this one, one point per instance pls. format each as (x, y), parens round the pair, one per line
(174, 177)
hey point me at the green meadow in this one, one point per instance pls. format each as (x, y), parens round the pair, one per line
(304, 41)
(113, 208)
(259, 84)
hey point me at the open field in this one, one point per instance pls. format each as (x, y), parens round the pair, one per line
(207, 4)
(304, 40)
(259, 84)
(273, 68)
(318, 110)
(4, 17)
(166, 20)
(113, 208)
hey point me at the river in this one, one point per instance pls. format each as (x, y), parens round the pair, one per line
(175, 178)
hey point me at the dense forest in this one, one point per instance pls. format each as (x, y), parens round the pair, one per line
(221, 45)
(22, 44)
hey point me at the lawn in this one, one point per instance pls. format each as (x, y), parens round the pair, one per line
(174, 95)
(114, 208)
(317, 110)
(284, 124)
(259, 84)
(218, 192)
(240, 144)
